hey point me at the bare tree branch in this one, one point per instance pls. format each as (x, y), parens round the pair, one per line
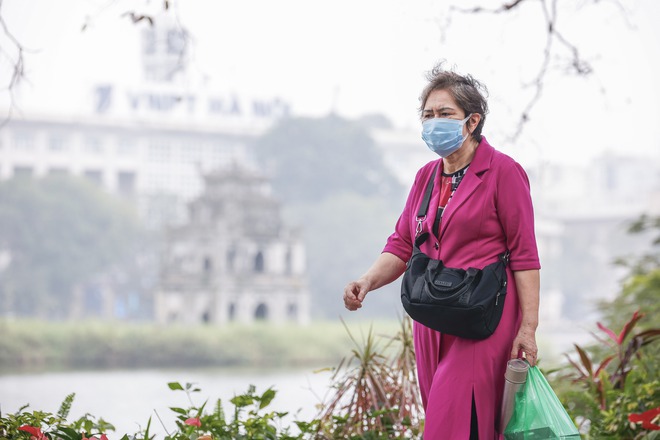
(18, 73)
(576, 64)
(136, 18)
(538, 81)
(478, 9)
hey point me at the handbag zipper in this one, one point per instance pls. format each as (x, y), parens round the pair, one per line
(497, 297)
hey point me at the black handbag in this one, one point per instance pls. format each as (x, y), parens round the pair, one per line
(465, 303)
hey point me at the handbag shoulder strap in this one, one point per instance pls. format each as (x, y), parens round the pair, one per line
(424, 207)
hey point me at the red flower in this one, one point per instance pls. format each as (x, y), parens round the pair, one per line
(36, 432)
(646, 419)
(193, 421)
(104, 437)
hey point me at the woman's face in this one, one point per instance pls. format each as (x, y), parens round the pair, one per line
(440, 104)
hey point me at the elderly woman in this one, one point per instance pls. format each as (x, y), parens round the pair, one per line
(480, 207)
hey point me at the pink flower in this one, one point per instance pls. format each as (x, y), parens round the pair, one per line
(104, 437)
(193, 421)
(36, 432)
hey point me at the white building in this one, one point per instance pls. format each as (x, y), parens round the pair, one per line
(148, 140)
(156, 164)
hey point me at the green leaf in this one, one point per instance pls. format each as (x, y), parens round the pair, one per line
(266, 398)
(66, 433)
(65, 407)
(175, 386)
(242, 400)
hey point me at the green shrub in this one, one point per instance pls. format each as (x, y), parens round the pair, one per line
(619, 392)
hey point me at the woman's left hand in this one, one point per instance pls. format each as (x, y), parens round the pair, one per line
(525, 344)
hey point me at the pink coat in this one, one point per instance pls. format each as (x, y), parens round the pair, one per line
(490, 212)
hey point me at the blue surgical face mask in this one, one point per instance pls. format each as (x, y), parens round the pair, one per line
(444, 136)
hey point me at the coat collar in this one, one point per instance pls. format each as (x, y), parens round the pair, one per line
(471, 181)
(482, 157)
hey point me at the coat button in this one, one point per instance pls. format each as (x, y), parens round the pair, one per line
(436, 246)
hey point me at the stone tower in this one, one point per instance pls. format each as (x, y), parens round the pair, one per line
(234, 260)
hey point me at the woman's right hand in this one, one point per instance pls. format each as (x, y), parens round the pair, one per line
(354, 294)
(387, 268)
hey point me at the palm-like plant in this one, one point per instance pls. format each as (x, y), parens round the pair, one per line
(374, 396)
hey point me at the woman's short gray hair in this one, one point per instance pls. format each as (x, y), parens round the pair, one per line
(469, 94)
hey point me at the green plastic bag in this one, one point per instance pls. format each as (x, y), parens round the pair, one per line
(538, 414)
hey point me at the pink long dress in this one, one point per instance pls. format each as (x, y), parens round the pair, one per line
(491, 211)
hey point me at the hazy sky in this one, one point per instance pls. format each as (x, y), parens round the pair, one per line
(369, 56)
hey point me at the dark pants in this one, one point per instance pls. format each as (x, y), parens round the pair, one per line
(474, 425)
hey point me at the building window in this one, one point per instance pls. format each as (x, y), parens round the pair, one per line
(126, 147)
(292, 311)
(58, 172)
(288, 262)
(218, 153)
(259, 262)
(126, 183)
(231, 260)
(160, 151)
(57, 144)
(94, 176)
(191, 151)
(24, 142)
(208, 265)
(93, 145)
(176, 42)
(23, 171)
(261, 312)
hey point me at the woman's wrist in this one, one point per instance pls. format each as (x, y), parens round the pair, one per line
(366, 281)
(530, 324)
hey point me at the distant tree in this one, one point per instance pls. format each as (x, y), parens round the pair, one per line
(343, 235)
(56, 234)
(641, 288)
(310, 159)
(335, 185)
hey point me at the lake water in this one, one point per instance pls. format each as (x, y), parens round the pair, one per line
(128, 398)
